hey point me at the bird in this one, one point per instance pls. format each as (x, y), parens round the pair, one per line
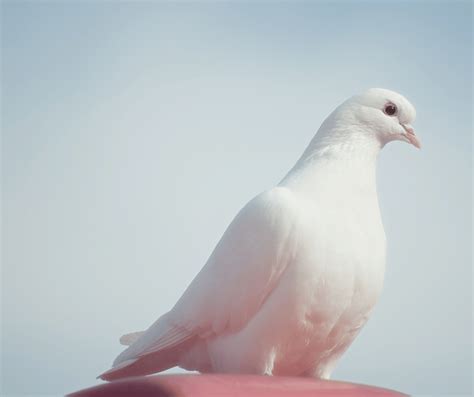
(300, 268)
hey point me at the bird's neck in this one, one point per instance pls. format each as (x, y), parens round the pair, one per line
(337, 163)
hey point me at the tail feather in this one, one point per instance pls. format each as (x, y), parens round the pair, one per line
(130, 338)
(149, 363)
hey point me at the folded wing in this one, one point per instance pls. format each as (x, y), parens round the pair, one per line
(244, 268)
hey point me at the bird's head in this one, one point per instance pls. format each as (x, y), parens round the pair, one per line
(384, 113)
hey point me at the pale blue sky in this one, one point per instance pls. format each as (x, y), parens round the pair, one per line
(133, 133)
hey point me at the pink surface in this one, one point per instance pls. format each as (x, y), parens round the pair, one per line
(230, 386)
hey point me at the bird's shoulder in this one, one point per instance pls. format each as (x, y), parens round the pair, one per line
(272, 205)
(244, 267)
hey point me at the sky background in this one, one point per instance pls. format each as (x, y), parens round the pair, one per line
(134, 132)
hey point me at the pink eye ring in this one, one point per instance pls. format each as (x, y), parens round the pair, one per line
(390, 109)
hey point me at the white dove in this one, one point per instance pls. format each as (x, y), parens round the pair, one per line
(298, 271)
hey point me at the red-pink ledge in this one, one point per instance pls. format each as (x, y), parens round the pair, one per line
(231, 386)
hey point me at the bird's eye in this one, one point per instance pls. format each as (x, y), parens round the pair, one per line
(390, 109)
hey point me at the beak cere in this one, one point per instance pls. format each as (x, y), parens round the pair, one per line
(410, 135)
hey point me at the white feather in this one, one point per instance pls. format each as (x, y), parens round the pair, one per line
(298, 271)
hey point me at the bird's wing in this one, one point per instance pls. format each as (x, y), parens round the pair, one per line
(239, 275)
(244, 267)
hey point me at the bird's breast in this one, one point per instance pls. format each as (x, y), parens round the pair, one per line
(331, 287)
(340, 261)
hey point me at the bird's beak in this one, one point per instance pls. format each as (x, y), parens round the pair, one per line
(410, 136)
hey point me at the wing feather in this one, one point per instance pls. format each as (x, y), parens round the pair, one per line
(244, 268)
(239, 275)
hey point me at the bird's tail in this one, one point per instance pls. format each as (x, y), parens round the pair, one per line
(130, 338)
(154, 350)
(147, 364)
